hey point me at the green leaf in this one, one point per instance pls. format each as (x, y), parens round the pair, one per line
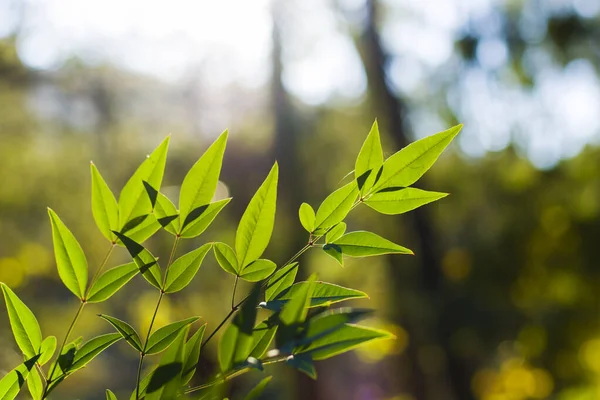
(144, 260)
(336, 232)
(370, 159)
(104, 205)
(226, 258)
(183, 270)
(256, 226)
(200, 183)
(262, 336)
(163, 337)
(295, 310)
(236, 343)
(258, 270)
(206, 215)
(408, 165)
(336, 206)
(335, 252)
(141, 228)
(281, 280)
(91, 349)
(307, 217)
(35, 385)
(342, 340)
(192, 355)
(363, 243)
(304, 364)
(70, 260)
(166, 214)
(133, 200)
(323, 293)
(402, 200)
(165, 380)
(11, 383)
(111, 281)
(64, 361)
(47, 349)
(110, 395)
(329, 321)
(126, 330)
(258, 389)
(23, 323)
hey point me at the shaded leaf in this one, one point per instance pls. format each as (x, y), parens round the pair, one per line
(93, 348)
(147, 226)
(295, 310)
(11, 383)
(369, 160)
(258, 270)
(126, 330)
(23, 323)
(226, 258)
(104, 205)
(262, 336)
(110, 395)
(111, 281)
(304, 364)
(144, 260)
(336, 232)
(165, 380)
(307, 217)
(258, 389)
(183, 270)
(256, 226)
(192, 355)
(281, 280)
(363, 243)
(47, 349)
(399, 201)
(336, 206)
(335, 252)
(205, 216)
(70, 260)
(328, 321)
(166, 214)
(163, 337)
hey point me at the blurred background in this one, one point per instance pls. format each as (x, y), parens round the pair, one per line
(501, 300)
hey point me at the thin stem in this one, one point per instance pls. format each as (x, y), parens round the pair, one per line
(100, 268)
(233, 293)
(233, 310)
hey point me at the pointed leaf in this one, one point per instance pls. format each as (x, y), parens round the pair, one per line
(342, 340)
(111, 281)
(91, 349)
(258, 270)
(126, 330)
(192, 355)
(165, 380)
(183, 270)
(64, 361)
(35, 385)
(334, 252)
(226, 258)
(256, 226)
(363, 243)
(166, 214)
(23, 323)
(200, 183)
(323, 294)
(369, 160)
(162, 338)
(47, 349)
(336, 206)
(304, 364)
(408, 165)
(11, 383)
(307, 217)
(110, 395)
(133, 200)
(295, 310)
(145, 261)
(329, 321)
(336, 232)
(281, 280)
(104, 205)
(258, 389)
(70, 260)
(262, 336)
(402, 200)
(203, 217)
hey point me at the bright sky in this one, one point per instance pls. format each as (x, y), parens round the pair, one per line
(230, 41)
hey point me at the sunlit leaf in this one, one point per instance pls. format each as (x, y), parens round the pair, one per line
(307, 217)
(408, 165)
(336, 206)
(369, 160)
(47, 349)
(144, 260)
(70, 260)
(183, 270)
(200, 183)
(139, 232)
(335, 252)
(206, 215)
(111, 281)
(104, 205)
(256, 226)
(323, 293)
(281, 280)
(93, 348)
(294, 311)
(226, 258)
(35, 385)
(401, 200)
(110, 395)
(11, 383)
(166, 214)
(258, 389)
(336, 232)
(63, 362)
(192, 355)
(363, 243)
(23, 323)
(165, 380)
(258, 270)
(125, 330)
(163, 337)
(133, 200)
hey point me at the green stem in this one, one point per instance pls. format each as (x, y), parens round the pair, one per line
(99, 270)
(237, 277)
